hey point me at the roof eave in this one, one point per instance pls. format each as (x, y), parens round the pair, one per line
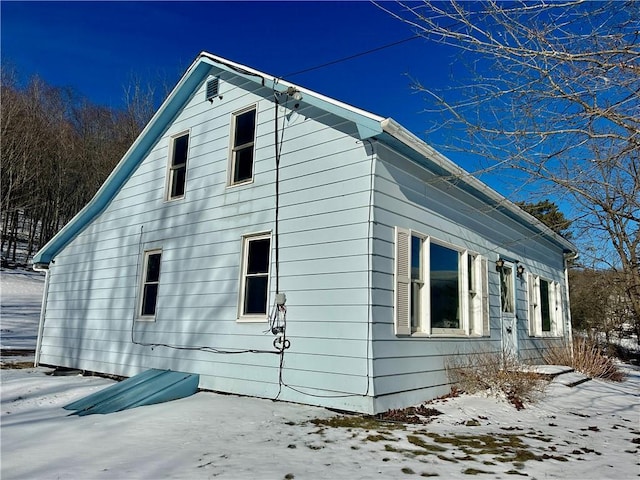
(404, 136)
(368, 124)
(205, 64)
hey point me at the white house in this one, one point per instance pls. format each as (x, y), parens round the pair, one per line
(283, 244)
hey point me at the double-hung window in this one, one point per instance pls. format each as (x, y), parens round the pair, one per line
(177, 174)
(545, 307)
(441, 289)
(150, 284)
(254, 289)
(242, 146)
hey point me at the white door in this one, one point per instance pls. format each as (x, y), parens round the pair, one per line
(508, 309)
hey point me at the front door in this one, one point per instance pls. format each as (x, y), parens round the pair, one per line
(508, 308)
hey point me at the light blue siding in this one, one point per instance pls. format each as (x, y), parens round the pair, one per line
(409, 196)
(345, 184)
(324, 180)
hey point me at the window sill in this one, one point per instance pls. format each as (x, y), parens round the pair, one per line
(146, 319)
(443, 335)
(239, 184)
(253, 319)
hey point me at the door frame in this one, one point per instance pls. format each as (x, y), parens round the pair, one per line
(508, 311)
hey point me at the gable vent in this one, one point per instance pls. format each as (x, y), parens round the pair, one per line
(212, 88)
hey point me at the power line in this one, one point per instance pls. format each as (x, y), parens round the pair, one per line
(351, 57)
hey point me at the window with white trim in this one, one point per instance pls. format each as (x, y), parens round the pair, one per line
(243, 133)
(254, 289)
(177, 172)
(150, 284)
(439, 288)
(545, 307)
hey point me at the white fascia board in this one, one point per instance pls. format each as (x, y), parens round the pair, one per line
(401, 134)
(368, 123)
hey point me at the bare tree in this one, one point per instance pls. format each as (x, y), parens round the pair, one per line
(140, 105)
(552, 94)
(57, 149)
(29, 118)
(599, 306)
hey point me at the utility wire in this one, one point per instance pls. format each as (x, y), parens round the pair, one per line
(351, 57)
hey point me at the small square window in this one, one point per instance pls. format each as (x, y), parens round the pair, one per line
(150, 283)
(177, 175)
(242, 146)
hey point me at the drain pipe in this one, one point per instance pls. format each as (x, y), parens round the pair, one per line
(41, 267)
(568, 257)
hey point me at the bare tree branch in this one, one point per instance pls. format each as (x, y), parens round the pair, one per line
(551, 93)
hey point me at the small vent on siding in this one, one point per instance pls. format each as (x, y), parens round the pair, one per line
(212, 89)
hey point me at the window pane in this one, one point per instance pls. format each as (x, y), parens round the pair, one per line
(416, 277)
(178, 177)
(258, 261)
(245, 128)
(416, 307)
(506, 289)
(444, 273)
(416, 255)
(243, 164)
(545, 309)
(153, 267)
(149, 299)
(255, 300)
(180, 148)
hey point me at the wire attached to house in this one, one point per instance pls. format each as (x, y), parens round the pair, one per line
(281, 382)
(202, 348)
(278, 150)
(278, 315)
(279, 318)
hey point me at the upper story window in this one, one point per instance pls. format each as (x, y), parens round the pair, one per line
(177, 174)
(440, 288)
(243, 133)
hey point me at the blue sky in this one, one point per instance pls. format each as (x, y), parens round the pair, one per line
(97, 47)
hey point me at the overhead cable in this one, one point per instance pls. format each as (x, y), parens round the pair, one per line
(333, 62)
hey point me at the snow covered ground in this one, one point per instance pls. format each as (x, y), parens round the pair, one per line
(591, 431)
(21, 298)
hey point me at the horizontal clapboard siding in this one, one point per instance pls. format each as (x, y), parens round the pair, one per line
(324, 212)
(336, 263)
(409, 196)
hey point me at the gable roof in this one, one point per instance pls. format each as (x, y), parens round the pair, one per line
(369, 125)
